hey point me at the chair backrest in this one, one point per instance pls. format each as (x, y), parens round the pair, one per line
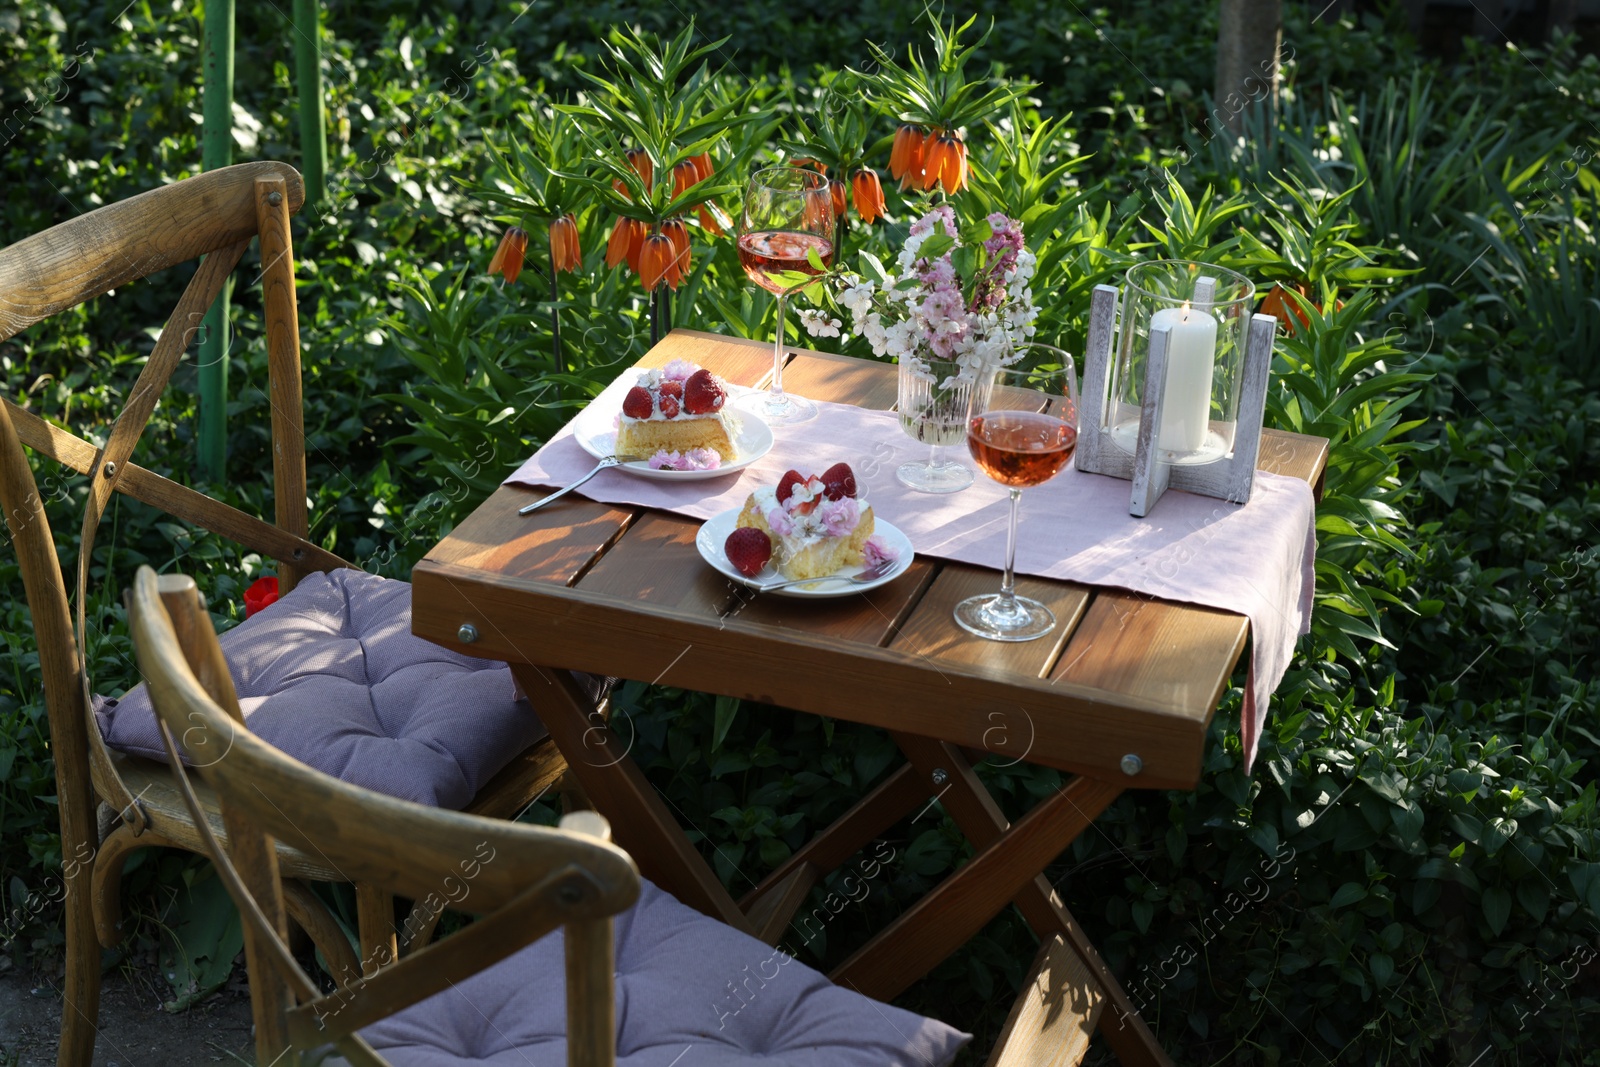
(524, 881)
(214, 215)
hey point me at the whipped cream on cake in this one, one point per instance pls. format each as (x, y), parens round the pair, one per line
(814, 525)
(677, 412)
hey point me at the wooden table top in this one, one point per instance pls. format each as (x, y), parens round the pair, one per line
(622, 591)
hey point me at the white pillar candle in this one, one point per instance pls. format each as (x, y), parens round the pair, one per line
(1191, 354)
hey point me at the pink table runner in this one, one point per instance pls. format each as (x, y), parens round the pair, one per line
(1255, 559)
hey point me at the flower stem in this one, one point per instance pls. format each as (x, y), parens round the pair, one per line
(555, 320)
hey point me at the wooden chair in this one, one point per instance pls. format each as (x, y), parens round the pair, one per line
(525, 881)
(111, 805)
(664, 983)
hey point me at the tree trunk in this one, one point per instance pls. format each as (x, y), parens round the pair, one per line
(1248, 37)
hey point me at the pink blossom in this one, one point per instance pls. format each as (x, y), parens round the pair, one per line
(779, 520)
(944, 213)
(877, 551)
(678, 370)
(941, 304)
(839, 517)
(696, 459)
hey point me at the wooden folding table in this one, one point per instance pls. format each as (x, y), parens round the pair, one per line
(1119, 695)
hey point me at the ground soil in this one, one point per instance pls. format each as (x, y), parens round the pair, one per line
(135, 1031)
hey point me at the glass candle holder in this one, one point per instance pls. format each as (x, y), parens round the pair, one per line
(1206, 309)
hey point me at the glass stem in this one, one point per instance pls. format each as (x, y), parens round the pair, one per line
(1008, 584)
(777, 353)
(933, 454)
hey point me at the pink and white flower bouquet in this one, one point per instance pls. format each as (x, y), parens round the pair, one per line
(960, 296)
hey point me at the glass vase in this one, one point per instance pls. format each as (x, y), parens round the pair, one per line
(933, 404)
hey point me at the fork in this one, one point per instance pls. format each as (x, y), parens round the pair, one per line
(610, 461)
(871, 574)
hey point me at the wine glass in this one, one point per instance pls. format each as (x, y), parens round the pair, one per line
(1021, 434)
(788, 212)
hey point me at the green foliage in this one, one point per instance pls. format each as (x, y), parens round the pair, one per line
(1411, 869)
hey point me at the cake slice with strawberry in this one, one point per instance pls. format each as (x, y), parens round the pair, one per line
(677, 411)
(814, 525)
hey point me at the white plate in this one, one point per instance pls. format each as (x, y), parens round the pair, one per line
(596, 430)
(714, 534)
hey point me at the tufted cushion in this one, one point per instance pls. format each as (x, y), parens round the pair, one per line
(332, 675)
(684, 982)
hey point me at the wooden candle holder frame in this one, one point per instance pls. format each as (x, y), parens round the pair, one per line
(1230, 477)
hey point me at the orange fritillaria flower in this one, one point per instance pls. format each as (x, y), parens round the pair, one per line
(617, 246)
(819, 210)
(565, 255)
(684, 175)
(713, 219)
(507, 260)
(627, 239)
(655, 261)
(906, 155)
(702, 164)
(945, 164)
(836, 190)
(807, 161)
(867, 192)
(675, 231)
(639, 159)
(638, 230)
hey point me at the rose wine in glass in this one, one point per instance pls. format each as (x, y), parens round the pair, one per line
(788, 216)
(1021, 448)
(763, 255)
(1021, 434)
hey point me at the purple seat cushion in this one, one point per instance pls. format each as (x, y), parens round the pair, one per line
(690, 990)
(332, 675)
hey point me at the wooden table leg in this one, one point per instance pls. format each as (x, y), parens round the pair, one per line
(889, 802)
(640, 820)
(983, 823)
(958, 907)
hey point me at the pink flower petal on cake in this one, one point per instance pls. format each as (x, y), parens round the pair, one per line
(703, 459)
(781, 523)
(839, 517)
(679, 370)
(876, 550)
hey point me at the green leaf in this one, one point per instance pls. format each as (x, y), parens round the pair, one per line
(198, 952)
(935, 246)
(1534, 896)
(1496, 908)
(1143, 913)
(726, 709)
(1347, 894)
(1382, 967)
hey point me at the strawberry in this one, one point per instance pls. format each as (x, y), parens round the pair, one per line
(672, 389)
(702, 393)
(636, 405)
(787, 483)
(669, 405)
(748, 550)
(813, 485)
(838, 481)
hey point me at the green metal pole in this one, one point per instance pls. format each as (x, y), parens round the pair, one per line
(216, 148)
(308, 80)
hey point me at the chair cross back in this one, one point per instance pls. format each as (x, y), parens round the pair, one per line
(526, 881)
(213, 215)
